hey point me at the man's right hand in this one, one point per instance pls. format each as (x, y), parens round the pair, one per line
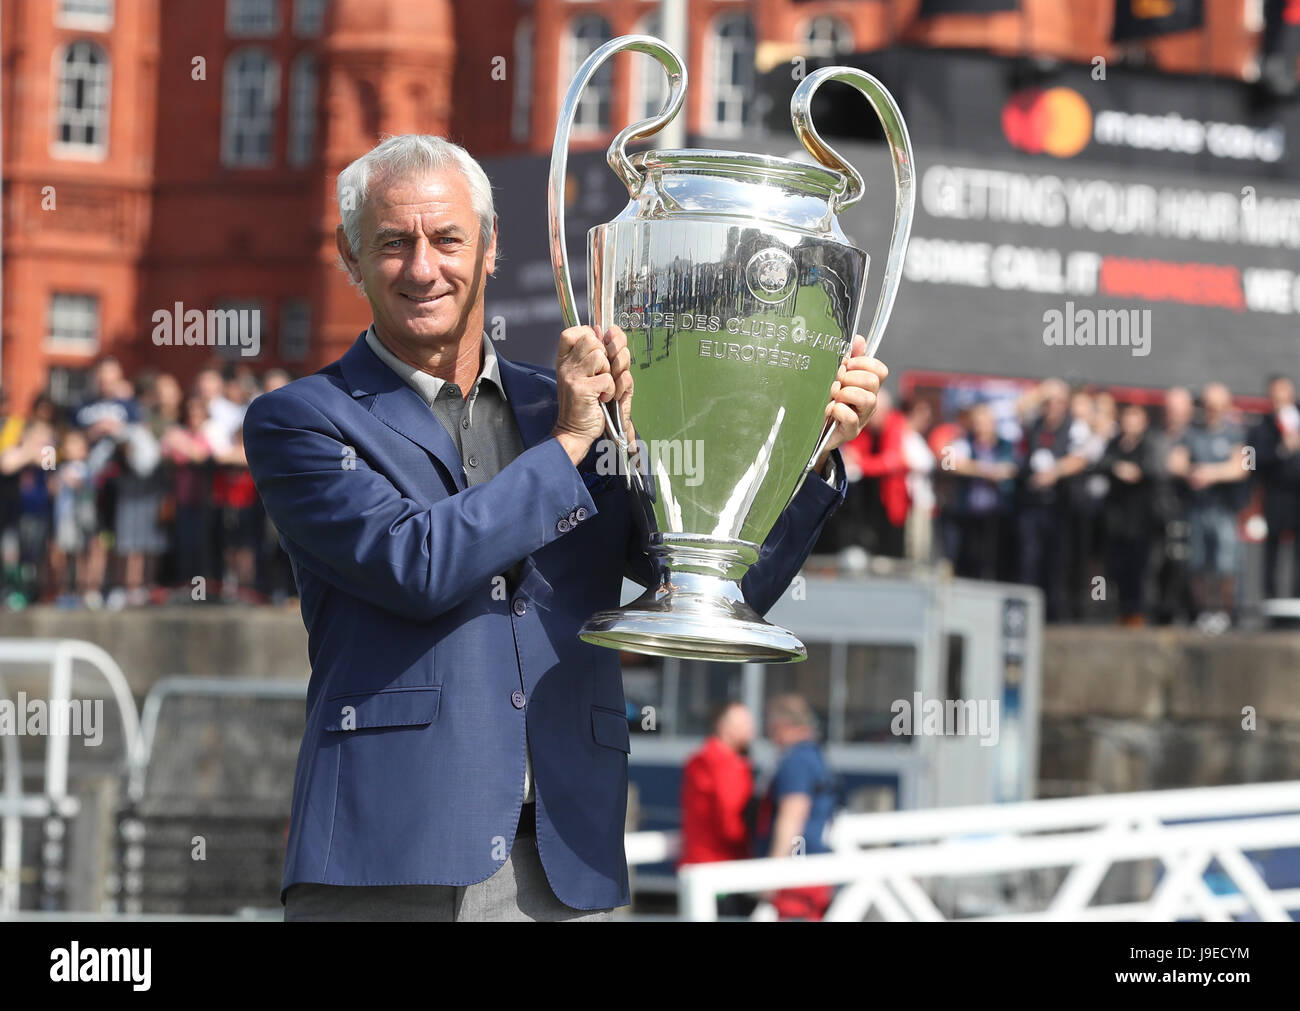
(584, 382)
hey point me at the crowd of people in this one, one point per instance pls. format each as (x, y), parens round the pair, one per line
(1113, 511)
(140, 494)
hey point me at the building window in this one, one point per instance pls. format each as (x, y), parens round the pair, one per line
(302, 110)
(521, 111)
(587, 34)
(733, 74)
(295, 329)
(252, 18)
(650, 83)
(252, 92)
(308, 18)
(68, 387)
(81, 120)
(827, 37)
(90, 15)
(73, 323)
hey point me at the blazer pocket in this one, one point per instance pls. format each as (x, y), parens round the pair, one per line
(395, 707)
(609, 727)
(598, 483)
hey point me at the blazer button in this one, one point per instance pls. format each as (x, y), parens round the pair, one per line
(581, 513)
(564, 526)
(521, 606)
(517, 699)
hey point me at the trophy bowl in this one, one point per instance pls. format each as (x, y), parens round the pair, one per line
(739, 295)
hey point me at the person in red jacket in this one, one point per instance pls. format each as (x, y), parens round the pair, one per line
(717, 787)
(877, 455)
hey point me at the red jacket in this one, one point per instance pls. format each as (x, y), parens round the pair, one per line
(716, 786)
(880, 455)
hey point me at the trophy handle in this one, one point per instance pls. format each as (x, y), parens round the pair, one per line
(900, 151)
(618, 161)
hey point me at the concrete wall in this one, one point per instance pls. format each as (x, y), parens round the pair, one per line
(1123, 709)
(1142, 709)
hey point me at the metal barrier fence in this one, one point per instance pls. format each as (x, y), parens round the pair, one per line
(52, 804)
(1185, 834)
(216, 766)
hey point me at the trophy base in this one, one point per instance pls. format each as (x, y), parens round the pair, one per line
(694, 615)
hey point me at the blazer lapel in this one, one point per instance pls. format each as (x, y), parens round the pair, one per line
(532, 398)
(399, 407)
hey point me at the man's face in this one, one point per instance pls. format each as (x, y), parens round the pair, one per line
(1178, 408)
(780, 731)
(209, 385)
(421, 259)
(107, 377)
(1217, 399)
(737, 728)
(1282, 393)
(1133, 422)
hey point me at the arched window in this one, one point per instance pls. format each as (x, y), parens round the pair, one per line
(826, 36)
(650, 83)
(521, 109)
(81, 119)
(731, 108)
(302, 110)
(368, 107)
(587, 34)
(252, 92)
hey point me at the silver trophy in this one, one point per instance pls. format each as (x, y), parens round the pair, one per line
(740, 297)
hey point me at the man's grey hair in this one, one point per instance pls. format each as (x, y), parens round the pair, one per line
(411, 154)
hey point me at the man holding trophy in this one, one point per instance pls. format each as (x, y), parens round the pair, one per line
(465, 753)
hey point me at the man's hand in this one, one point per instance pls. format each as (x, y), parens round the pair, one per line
(853, 397)
(1127, 471)
(620, 364)
(584, 383)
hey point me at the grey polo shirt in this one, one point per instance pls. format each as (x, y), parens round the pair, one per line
(481, 425)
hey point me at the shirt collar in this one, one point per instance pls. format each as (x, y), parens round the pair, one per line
(428, 386)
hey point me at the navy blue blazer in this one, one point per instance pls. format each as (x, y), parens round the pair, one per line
(426, 675)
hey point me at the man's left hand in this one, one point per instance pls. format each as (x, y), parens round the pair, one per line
(853, 397)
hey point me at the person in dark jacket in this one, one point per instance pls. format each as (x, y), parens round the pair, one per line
(1276, 439)
(987, 467)
(1047, 462)
(1171, 497)
(1129, 516)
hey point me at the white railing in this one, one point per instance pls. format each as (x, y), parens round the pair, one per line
(1184, 831)
(59, 655)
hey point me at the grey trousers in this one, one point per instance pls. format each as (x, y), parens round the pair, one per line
(518, 891)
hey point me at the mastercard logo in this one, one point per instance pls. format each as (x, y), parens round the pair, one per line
(1055, 121)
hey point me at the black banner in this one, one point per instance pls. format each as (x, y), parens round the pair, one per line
(1136, 116)
(1143, 19)
(933, 8)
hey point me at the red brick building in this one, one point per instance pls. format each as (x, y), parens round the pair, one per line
(184, 151)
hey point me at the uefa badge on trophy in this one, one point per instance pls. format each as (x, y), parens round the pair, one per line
(740, 296)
